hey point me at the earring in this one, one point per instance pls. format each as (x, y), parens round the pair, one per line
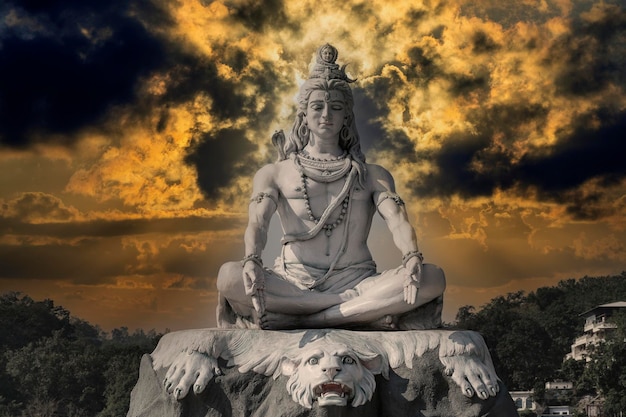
(303, 131)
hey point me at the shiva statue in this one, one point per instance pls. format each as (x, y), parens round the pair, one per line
(326, 195)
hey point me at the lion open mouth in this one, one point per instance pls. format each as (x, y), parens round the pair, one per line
(332, 392)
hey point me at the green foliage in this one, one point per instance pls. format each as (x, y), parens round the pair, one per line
(607, 368)
(529, 335)
(53, 364)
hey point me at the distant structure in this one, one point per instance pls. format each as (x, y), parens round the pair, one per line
(557, 410)
(597, 326)
(523, 400)
(559, 385)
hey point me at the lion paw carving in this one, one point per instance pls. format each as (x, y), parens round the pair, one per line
(190, 369)
(330, 367)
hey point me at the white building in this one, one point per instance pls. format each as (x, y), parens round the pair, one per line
(557, 410)
(559, 385)
(597, 326)
(523, 400)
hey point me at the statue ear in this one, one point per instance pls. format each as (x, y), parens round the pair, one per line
(289, 366)
(375, 363)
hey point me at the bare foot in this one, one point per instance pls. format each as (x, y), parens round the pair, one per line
(279, 321)
(190, 368)
(348, 295)
(471, 375)
(387, 322)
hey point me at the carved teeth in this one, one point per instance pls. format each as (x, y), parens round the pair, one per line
(331, 388)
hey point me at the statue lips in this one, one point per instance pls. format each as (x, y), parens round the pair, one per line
(332, 393)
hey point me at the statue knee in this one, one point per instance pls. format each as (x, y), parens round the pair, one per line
(228, 277)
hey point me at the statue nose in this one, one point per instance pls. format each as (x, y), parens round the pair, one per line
(331, 371)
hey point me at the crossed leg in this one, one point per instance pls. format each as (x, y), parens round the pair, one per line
(280, 295)
(379, 297)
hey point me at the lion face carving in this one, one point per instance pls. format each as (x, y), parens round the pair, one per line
(331, 374)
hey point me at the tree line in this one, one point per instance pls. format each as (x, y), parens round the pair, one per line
(54, 364)
(528, 336)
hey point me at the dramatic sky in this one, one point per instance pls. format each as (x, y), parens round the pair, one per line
(129, 131)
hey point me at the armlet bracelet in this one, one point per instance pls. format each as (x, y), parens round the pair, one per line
(252, 258)
(412, 254)
(395, 197)
(261, 196)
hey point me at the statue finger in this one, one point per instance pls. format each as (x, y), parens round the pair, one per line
(490, 380)
(258, 302)
(182, 389)
(203, 379)
(173, 380)
(247, 283)
(478, 385)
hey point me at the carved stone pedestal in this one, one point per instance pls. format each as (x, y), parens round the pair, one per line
(434, 373)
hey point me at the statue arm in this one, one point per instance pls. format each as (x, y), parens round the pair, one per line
(392, 210)
(263, 204)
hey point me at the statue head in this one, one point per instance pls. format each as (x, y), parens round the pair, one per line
(327, 54)
(331, 374)
(327, 76)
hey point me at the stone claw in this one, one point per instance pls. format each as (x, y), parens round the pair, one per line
(190, 370)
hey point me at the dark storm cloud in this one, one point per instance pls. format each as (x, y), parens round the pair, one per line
(82, 262)
(74, 60)
(219, 157)
(113, 228)
(191, 75)
(69, 63)
(36, 206)
(595, 53)
(258, 14)
(371, 104)
(367, 112)
(222, 155)
(97, 248)
(587, 153)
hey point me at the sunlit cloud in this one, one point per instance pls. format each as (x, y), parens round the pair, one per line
(131, 134)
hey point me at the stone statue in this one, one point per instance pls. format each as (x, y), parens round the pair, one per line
(330, 367)
(325, 284)
(326, 196)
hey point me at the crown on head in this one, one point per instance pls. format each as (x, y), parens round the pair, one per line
(325, 67)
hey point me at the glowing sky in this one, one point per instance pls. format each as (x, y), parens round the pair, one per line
(129, 131)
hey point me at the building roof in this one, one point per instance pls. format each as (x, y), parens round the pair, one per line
(617, 304)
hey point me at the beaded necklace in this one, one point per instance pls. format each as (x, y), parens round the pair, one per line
(332, 170)
(323, 170)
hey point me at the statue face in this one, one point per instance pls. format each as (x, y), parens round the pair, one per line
(325, 114)
(327, 54)
(331, 374)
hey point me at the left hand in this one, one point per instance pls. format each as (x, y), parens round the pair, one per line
(414, 277)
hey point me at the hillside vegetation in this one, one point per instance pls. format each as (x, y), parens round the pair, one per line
(52, 363)
(529, 335)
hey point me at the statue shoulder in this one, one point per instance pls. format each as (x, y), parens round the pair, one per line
(266, 176)
(378, 175)
(270, 174)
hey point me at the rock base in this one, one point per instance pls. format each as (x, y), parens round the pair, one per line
(420, 389)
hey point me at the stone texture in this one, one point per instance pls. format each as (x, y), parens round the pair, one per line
(423, 390)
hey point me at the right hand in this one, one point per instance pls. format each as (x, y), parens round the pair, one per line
(254, 285)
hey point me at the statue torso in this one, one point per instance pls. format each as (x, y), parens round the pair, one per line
(295, 219)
